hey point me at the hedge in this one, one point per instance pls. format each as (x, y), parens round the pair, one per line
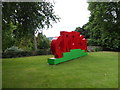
(25, 53)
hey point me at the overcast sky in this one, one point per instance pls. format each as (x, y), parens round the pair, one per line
(73, 13)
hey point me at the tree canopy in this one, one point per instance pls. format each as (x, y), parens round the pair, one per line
(26, 18)
(83, 31)
(43, 42)
(104, 24)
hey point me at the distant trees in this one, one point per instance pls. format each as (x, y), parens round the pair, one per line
(104, 24)
(22, 20)
(43, 41)
(83, 31)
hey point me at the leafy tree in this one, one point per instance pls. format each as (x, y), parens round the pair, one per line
(83, 31)
(43, 41)
(104, 24)
(26, 45)
(28, 17)
(7, 36)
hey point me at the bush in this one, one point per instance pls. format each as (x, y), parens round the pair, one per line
(13, 49)
(93, 42)
(94, 48)
(14, 52)
(44, 51)
(98, 49)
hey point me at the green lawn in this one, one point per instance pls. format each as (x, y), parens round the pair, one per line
(96, 70)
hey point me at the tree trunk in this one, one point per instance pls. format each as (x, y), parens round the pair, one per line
(35, 43)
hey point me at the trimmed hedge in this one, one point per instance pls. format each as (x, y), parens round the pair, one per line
(14, 54)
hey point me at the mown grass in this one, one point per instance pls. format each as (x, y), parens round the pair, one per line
(96, 70)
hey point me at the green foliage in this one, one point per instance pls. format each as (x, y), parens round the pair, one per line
(96, 70)
(94, 48)
(43, 42)
(14, 52)
(13, 49)
(83, 31)
(7, 36)
(43, 52)
(98, 49)
(104, 24)
(90, 42)
(28, 18)
(26, 45)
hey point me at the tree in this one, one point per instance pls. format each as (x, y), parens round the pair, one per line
(7, 36)
(104, 24)
(83, 31)
(43, 42)
(28, 17)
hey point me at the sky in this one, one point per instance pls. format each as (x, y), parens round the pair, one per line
(73, 13)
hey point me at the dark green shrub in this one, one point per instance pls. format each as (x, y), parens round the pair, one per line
(98, 49)
(91, 42)
(13, 53)
(16, 54)
(43, 52)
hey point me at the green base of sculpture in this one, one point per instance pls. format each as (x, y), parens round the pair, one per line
(74, 53)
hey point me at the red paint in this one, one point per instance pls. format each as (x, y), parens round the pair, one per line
(67, 41)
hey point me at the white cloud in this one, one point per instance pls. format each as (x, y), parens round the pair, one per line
(73, 13)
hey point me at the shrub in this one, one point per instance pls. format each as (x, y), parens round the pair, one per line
(98, 49)
(91, 42)
(94, 48)
(16, 52)
(13, 49)
(44, 51)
